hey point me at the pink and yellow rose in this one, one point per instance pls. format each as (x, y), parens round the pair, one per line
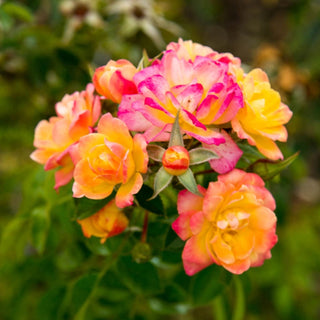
(115, 79)
(189, 50)
(263, 117)
(55, 139)
(202, 90)
(232, 225)
(110, 158)
(107, 222)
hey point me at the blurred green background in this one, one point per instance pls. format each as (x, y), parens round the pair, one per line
(49, 48)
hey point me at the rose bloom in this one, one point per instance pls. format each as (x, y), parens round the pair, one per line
(263, 117)
(55, 139)
(189, 50)
(115, 79)
(110, 158)
(201, 90)
(106, 223)
(232, 225)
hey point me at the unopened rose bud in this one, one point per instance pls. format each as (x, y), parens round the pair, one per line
(176, 160)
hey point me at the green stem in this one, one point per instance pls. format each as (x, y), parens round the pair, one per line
(219, 311)
(145, 227)
(239, 308)
(82, 311)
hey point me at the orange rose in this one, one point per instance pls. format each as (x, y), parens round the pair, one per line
(55, 139)
(232, 225)
(115, 79)
(110, 158)
(106, 223)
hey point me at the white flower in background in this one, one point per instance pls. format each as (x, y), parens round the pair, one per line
(80, 12)
(143, 15)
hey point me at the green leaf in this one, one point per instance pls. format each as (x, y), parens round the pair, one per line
(268, 169)
(200, 155)
(80, 293)
(188, 181)
(153, 204)
(209, 283)
(140, 278)
(155, 152)
(161, 181)
(86, 207)
(50, 303)
(15, 237)
(176, 136)
(156, 236)
(40, 227)
(18, 10)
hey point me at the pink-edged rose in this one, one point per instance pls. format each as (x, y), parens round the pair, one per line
(55, 139)
(232, 225)
(115, 79)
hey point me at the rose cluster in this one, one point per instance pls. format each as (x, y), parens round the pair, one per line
(189, 94)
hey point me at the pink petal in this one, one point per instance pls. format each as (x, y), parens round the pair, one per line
(229, 154)
(189, 202)
(128, 112)
(182, 226)
(195, 255)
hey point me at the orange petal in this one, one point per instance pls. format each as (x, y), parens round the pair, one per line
(115, 130)
(140, 154)
(124, 196)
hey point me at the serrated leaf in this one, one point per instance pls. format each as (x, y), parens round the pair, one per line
(201, 155)
(155, 152)
(189, 182)
(140, 278)
(161, 181)
(153, 204)
(176, 136)
(268, 169)
(40, 227)
(87, 207)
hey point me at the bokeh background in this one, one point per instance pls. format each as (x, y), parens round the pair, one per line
(49, 48)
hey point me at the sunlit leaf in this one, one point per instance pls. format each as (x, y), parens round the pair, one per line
(17, 10)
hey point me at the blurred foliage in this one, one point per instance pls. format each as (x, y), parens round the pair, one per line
(48, 269)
